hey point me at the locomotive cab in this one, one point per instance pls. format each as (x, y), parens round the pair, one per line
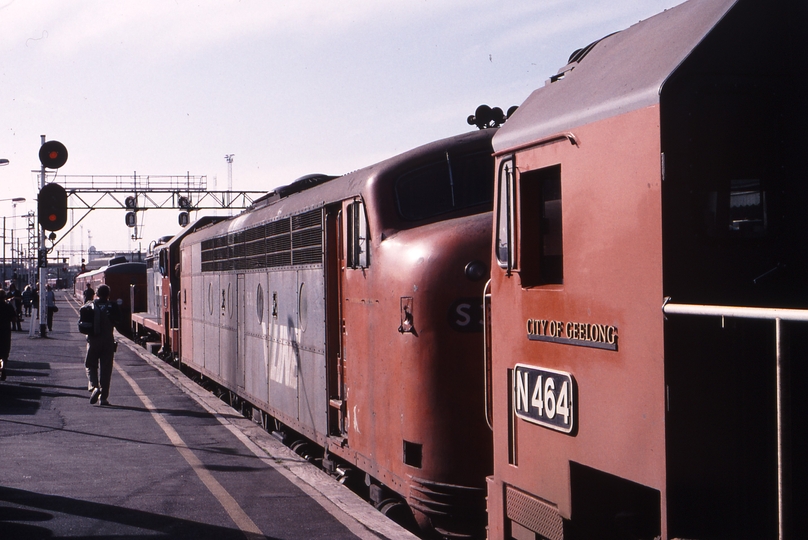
(658, 166)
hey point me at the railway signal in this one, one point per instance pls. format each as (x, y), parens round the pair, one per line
(53, 154)
(52, 207)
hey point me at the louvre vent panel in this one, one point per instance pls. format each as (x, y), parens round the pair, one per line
(292, 241)
(533, 513)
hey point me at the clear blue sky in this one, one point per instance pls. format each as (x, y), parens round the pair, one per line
(165, 87)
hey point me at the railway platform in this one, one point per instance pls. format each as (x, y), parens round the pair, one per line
(165, 459)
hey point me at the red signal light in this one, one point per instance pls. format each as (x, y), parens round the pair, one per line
(52, 207)
(53, 154)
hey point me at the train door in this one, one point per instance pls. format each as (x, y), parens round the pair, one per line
(241, 347)
(228, 328)
(355, 314)
(193, 301)
(335, 367)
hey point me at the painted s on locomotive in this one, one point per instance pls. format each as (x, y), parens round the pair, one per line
(349, 310)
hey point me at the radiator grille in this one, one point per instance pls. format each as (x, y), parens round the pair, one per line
(291, 241)
(454, 511)
(538, 516)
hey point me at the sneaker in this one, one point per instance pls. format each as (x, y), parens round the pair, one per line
(95, 395)
(105, 402)
(90, 387)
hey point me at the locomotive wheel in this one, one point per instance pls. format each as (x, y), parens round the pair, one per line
(398, 511)
(301, 448)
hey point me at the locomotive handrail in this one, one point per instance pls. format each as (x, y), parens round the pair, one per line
(735, 311)
(486, 369)
(566, 136)
(777, 315)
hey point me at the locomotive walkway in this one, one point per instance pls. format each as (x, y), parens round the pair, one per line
(164, 460)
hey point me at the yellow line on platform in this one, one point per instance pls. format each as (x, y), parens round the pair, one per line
(236, 513)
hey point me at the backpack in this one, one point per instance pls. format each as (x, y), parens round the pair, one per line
(87, 319)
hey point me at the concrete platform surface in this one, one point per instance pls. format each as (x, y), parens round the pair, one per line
(165, 460)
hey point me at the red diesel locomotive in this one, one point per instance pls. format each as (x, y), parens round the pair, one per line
(349, 310)
(662, 166)
(158, 325)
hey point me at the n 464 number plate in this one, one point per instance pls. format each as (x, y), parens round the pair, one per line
(544, 396)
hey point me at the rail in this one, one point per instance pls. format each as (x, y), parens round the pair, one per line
(777, 315)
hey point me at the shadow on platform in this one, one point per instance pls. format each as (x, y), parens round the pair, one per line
(19, 509)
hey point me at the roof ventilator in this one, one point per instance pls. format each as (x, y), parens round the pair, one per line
(575, 58)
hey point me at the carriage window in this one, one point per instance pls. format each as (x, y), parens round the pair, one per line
(358, 236)
(542, 255)
(747, 207)
(453, 183)
(740, 212)
(505, 216)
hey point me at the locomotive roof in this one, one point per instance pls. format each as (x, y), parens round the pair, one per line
(343, 187)
(119, 268)
(203, 221)
(620, 73)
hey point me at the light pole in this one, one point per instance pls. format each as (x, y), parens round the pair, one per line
(14, 202)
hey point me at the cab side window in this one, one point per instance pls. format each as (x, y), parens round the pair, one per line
(358, 236)
(504, 241)
(541, 228)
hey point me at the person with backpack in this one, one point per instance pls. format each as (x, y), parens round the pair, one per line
(101, 345)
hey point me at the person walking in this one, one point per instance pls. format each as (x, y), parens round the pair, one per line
(27, 300)
(101, 346)
(7, 317)
(50, 304)
(15, 299)
(89, 293)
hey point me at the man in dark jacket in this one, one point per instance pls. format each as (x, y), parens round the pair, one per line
(101, 345)
(7, 316)
(15, 299)
(89, 293)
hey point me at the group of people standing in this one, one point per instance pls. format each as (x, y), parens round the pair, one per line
(22, 302)
(14, 305)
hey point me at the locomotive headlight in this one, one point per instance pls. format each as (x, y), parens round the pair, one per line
(476, 270)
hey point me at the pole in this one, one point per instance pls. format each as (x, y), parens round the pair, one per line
(43, 271)
(784, 459)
